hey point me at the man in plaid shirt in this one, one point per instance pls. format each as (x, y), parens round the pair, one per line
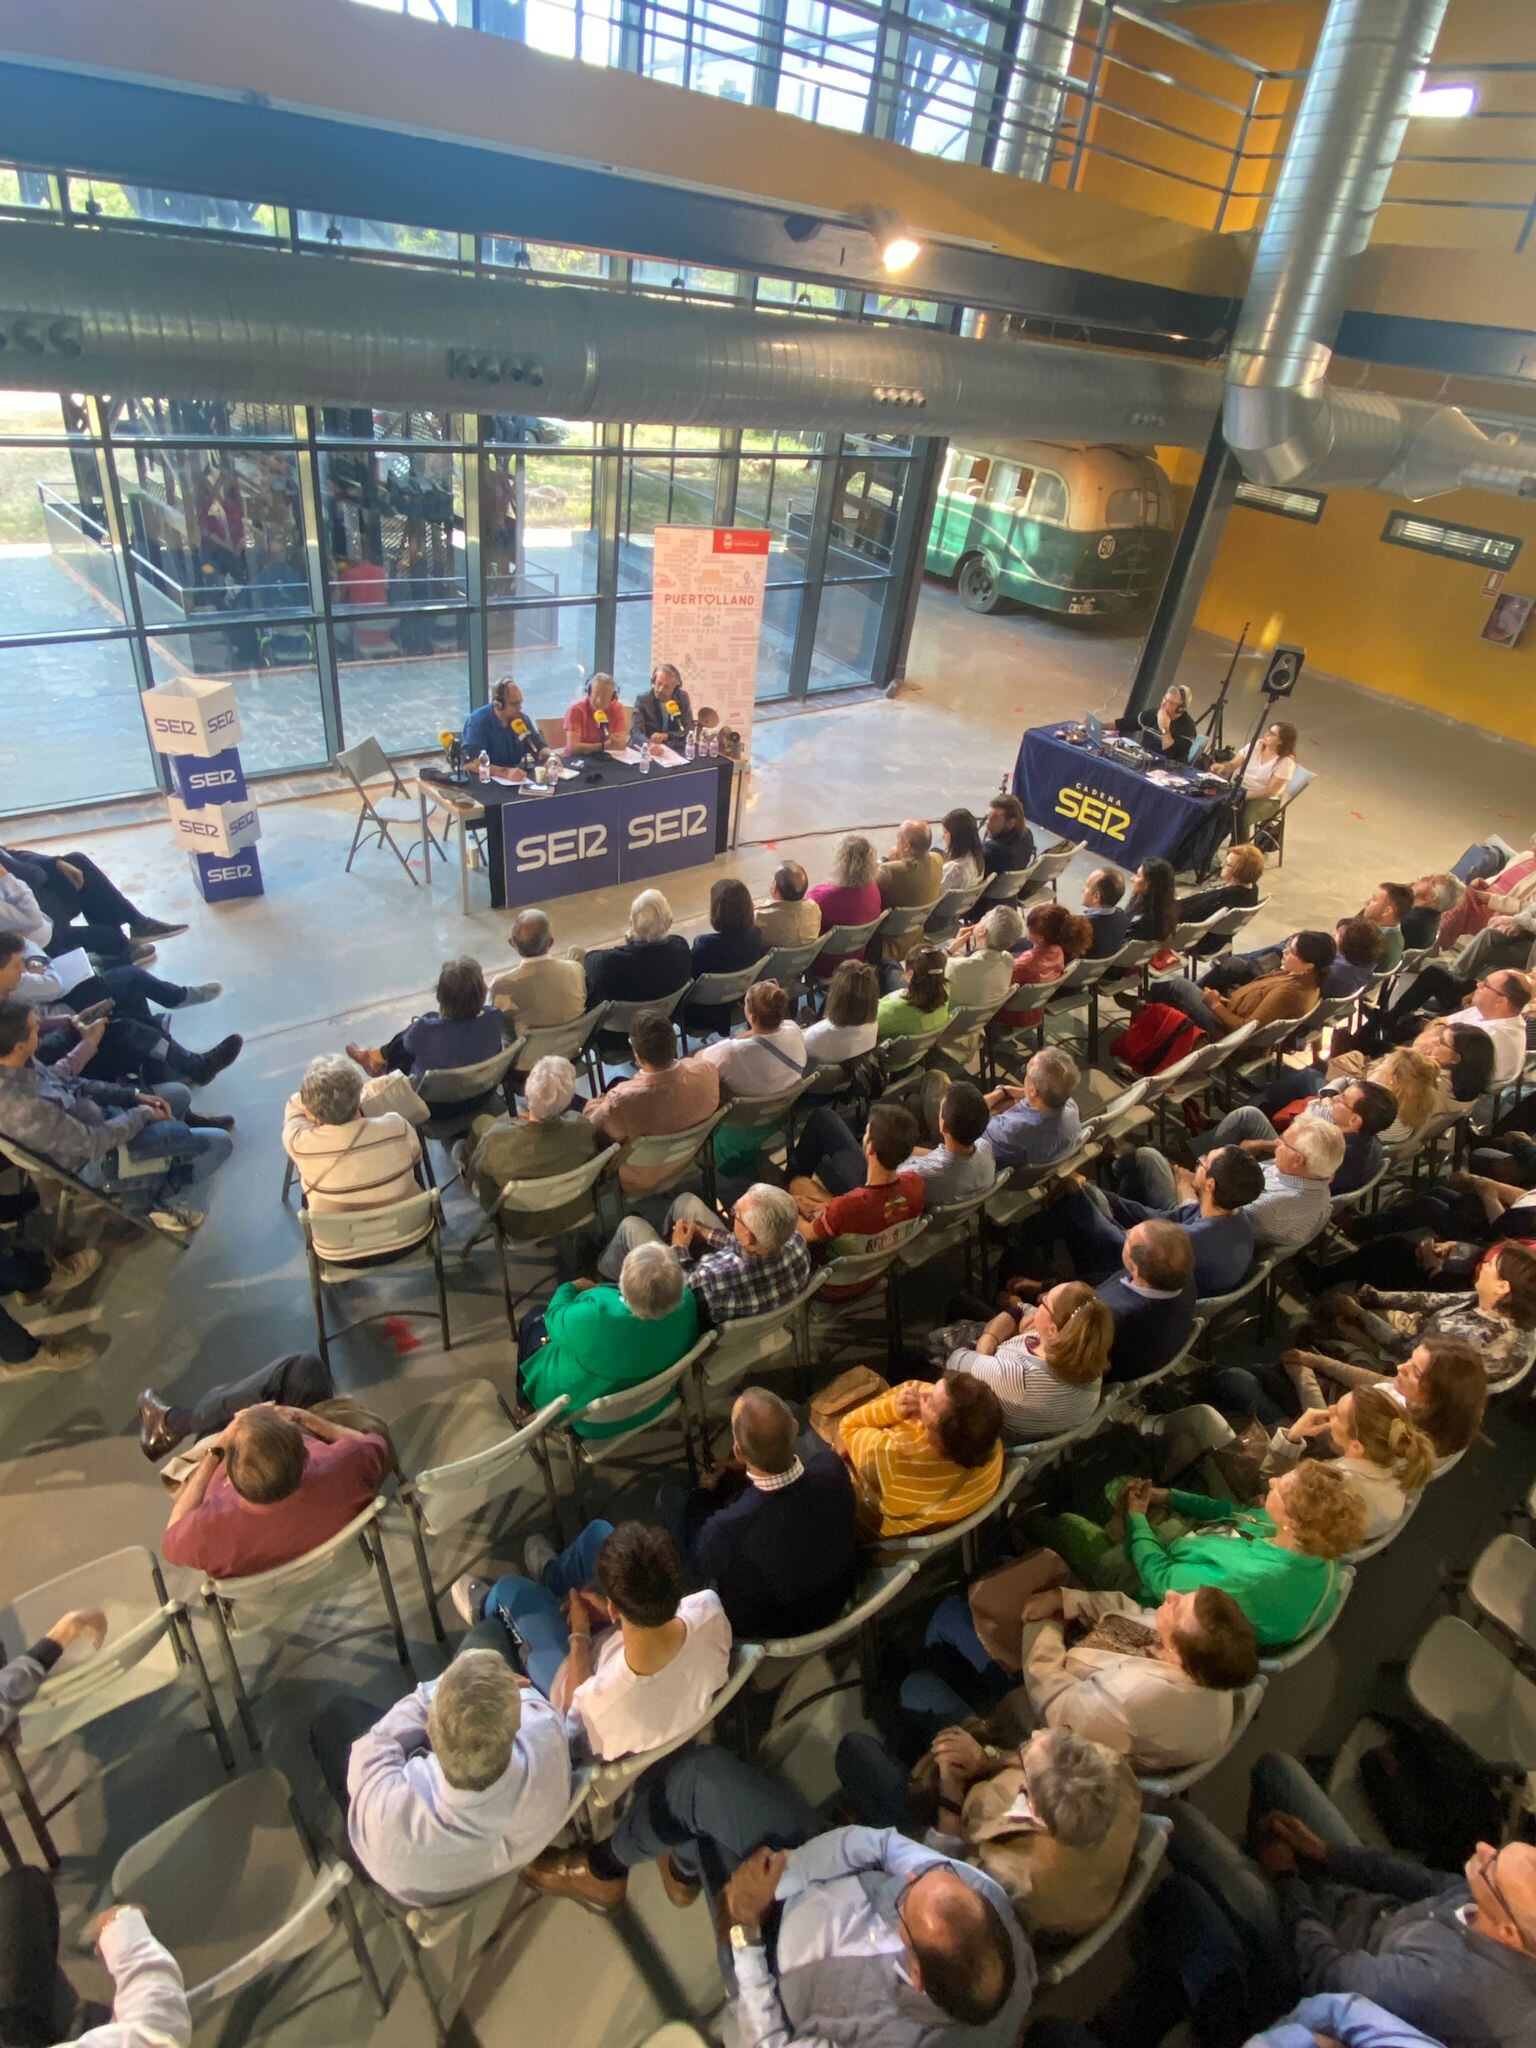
(759, 1264)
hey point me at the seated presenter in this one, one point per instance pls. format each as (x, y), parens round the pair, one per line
(597, 719)
(502, 730)
(663, 711)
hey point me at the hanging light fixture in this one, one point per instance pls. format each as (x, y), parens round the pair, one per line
(899, 248)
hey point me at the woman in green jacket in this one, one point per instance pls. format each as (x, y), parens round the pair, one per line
(1279, 1562)
(923, 1004)
(599, 1340)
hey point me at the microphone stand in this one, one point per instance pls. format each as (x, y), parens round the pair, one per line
(1211, 719)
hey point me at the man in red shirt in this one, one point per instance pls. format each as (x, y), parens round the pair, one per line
(597, 719)
(274, 1484)
(835, 1211)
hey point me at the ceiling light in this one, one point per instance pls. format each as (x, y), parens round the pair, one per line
(898, 249)
(1443, 102)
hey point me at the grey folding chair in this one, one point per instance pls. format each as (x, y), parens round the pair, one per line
(878, 1587)
(457, 1095)
(1286, 1659)
(658, 1403)
(931, 1543)
(619, 1022)
(865, 1270)
(952, 1227)
(1502, 1586)
(902, 921)
(346, 1245)
(550, 1194)
(755, 1344)
(789, 966)
(1170, 1784)
(720, 992)
(1466, 1683)
(846, 940)
(667, 1156)
(573, 1042)
(946, 916)
(610, 1784)
(367, 762)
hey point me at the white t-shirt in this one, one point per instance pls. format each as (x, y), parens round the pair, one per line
(1508, 1035)
(1259, 773)
(623, 1713)
(964, 873)
(749, 1066)
(827, 1043)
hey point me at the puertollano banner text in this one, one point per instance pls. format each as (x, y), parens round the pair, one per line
(707, 616)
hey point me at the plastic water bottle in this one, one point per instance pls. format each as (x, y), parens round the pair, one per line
(483, 766)
(645, 758)
(690, 744)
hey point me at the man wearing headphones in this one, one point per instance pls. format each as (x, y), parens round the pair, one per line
(502, 730)
(597, 719)
(664, 710)
(1174, 732)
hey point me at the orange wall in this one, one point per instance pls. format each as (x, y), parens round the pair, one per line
(1394, 619)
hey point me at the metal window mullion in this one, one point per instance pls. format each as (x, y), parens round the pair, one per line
(311, 504)
(127, 587)
(474, 562)
(909, 552)
(1088, 92)
(728, 477)
(886, 79)
(632, 25)
(815, 569)
(609, 482)
(768, 69)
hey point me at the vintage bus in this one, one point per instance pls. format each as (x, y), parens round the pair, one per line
(1059, 525)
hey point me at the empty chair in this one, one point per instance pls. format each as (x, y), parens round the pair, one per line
(231, 1887)
(1271, 833)
(1502, 1585)
(789, 966)
(945, 917)
(367, 762)
(1151, 1846)
(1469, 1686)
(462, 1452)
(1245, 1705)
(1285, 1660)
(345, 1245)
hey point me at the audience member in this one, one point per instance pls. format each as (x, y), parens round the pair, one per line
(664, 1094)
(298, 1379)
(149, 2004)
(82, 908)
(597, 719)
(789, 917)
(770, 1056)
(852, 897)
(980, 966)
(1417, 1077)
(924, 1455)
(503, 731)
(849, 1026)
(462, 1031)
(665, 710)
(347, 1158)
(1495, 1005)
(760, 1264)
(1103, 907)
(608, 1636)
(1434, 897)
(1056, 938)
(1008, 845)
(1046, 1368)
(549, 1137)
(22, 1676)
(1152, 1299)
(1441, 1387)
(965, 858)
(543, 989)
(1237, 888)
(908, 877)
(961, 1164)
(1361, 1112)
(1386, 907)
(776, 1538)
(1036, 1121)
(104, 1023)
(1153, 908)
(651, 962)
(1214, 1212)
(732, 943)
(595, 1340)
(921, 1004)
(1294, 991)
(40, 1279)
(1383, 1455)
(1359, 949)
(1497, 1318)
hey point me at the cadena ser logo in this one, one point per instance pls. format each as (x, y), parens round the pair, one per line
(212, 778)
(658, 828)
(559, 849)
(1098, 813)
(235, 874)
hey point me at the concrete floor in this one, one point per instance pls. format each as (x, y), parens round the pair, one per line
(324, 957)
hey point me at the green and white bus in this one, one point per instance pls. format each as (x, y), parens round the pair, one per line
(1059, 525)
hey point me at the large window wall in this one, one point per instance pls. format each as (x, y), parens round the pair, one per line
(355, 572)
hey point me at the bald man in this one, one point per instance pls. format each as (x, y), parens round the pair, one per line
(909, 875)
(857, 1938)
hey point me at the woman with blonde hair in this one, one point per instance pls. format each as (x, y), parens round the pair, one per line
(1048, 1371)
(851, 897)
(1384, 1455)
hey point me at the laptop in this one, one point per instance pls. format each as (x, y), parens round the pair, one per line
(1093, 726)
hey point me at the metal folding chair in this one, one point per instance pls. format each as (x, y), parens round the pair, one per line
(367, 762)
(343, 1245)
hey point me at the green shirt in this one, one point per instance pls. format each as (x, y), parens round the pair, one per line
(1283, 1592)
(897, 1018)
(597, 1347)
(1392, 948)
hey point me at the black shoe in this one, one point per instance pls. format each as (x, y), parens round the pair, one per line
(194, 1122)
(157, 1439)
(213, 1062)
(154, 928)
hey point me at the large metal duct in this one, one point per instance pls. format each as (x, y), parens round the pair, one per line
(117, 312)
(1042, 71)
(1281, 418)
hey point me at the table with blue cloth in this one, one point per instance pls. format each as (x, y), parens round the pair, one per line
(1115, 809)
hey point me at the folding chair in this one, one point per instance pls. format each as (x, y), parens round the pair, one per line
(457, 1095)
(462, 1452)
(1276, 1661)
(900, 1058)
(1377, 1544)
(666, 1157)
(1502, 1586)
(1465, 1683)
(845, 940)
(1044, 1451)
(900, 923)
(865, 1270)
(573, 1042)
(754, 1344)
(878, 1587)
(963, 1038)
(767, 1112)
(610, 1783)
(235, 1891)
(1151, 1846)
(71, 1192)
(620, 1020)
(1020, 1192)
(149, 1649)
(549, 1195)
(1121, 1395)
(263, 1602)
(949, 1229)
(653, 1404)
(1271, 833)
(946, 916)
(1169, 1785)
(931, 1543)
(789, 966)
(343, 1245)
(365, 763)
(719, 992)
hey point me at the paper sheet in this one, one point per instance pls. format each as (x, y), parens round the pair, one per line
(71, 969)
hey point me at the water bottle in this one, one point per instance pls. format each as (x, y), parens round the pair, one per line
(645, 757)
(483, 766)
(690, 744)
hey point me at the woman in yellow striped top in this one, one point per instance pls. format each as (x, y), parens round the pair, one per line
(924, 1455)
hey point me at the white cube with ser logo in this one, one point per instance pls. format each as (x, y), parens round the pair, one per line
(215, 828)
(191, 715)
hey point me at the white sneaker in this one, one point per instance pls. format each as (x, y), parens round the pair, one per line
(538, 1555)
(52, 1355)
(468, 1597)
(176, 1219)
(201, 992)
(69, 1272)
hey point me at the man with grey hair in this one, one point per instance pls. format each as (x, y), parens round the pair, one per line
(549, 1137)
(465, 1780)
(911, 874)
(347, 1159)
(594, 1339)
(980, 966)
(653, 961)
(544, 988)
(1294, 1204)
(1035, 1122)
(761, 1263)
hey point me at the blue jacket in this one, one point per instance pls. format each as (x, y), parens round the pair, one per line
(1149, 1331)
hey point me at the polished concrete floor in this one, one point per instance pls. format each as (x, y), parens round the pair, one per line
(325, 957)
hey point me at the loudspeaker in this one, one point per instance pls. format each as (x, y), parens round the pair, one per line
(1285, 666)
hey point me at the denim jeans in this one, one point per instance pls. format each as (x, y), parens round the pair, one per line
(1182, 993)
(191, 1156)
(532, 1608)
(829, 1151)
(1235, 1126)
(1145, 1176)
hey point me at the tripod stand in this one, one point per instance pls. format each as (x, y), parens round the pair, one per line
(1211, 719)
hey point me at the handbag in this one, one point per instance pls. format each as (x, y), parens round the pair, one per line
(850, 1390)
(998, 1601)
(1157, 1037)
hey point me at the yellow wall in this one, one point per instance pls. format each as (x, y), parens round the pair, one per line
(1391, 618)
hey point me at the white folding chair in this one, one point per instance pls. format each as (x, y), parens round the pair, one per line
(343, 1245)
(149, 1649)
(946, 916)
(1051, 864)
(653, 1404)
(367, 762)
(263, 1603)
(789, 966)
(719, 992)
(952, 1227)
(1276, 1661)
(461, 1452)
(766, 1112)
(846, 941)
(610, 1783)
(1502, 1585)
(1389, 1536)
(620, 1021)
(666, 1157)
(754, 1344)
(549, 1194)
(1272, 829)
(900, 923)
(1466, 1683)
(573, 1041)
(864, 1270)
(1041, 1451)
(878, 1587)
(235, 1891)
(70, 1193)
(930, 1543)
(457, 1095)
(1170, 1784)
(900, 1059)
(1151, 1846)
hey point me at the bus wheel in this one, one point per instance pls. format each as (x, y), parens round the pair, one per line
(977, 585)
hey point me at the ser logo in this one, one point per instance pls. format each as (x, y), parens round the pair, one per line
(174, 725)
(212, 778)
(559, 849)
(1096, 812)
(658, 828)
(234, 874)
(219, 721)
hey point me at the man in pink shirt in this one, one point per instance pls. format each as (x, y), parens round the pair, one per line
(275, 1483)
(667, 1094)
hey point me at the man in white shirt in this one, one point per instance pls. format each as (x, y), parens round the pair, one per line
(463, 1781)
(149, 2007)
(1496, 1006)
(347, 1160)
(1164, 1704)
(543, 989)
(609, 1638)
(771, 1054)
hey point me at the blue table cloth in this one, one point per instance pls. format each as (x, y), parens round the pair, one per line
(1113, 809)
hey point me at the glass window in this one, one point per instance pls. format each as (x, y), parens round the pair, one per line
(70, 725)
(1126, 508)
(696, 282)
(545, 259)
(538, 522)
(662, 488)
(847, 626)
(779, 493)
(348, 232)
(869, 491)
(392, 524)
(781, 622)
(212, 529)
(20, 187)
(1048, 500)
(100, 199)
(828, 62)
(588, 29)
(549, 648)
(404, 679)
(197, 419)
(783, 294)
(56, 569)
(276, 685)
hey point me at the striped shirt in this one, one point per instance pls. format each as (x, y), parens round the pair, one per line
(904, 1483)
(1035, 1403)
(364, 1164)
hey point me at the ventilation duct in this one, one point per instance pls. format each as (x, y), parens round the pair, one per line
(1042, 71)
(127, 313)
(1281, 419)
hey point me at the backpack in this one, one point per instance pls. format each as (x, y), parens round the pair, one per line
(1159, 1036)
(1433, 1797)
